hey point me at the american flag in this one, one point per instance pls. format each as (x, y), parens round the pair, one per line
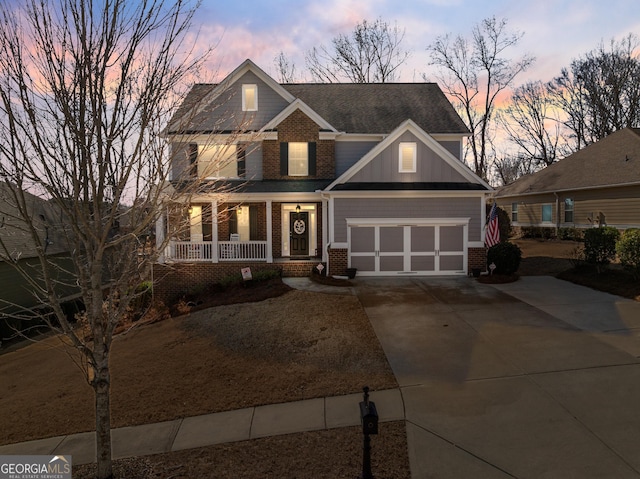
(493, 231)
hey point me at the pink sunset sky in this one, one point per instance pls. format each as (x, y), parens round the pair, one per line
(555, 31)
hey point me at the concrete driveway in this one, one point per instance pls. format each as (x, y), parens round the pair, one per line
(534, 379)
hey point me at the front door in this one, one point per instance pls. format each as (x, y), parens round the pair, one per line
(299, 233)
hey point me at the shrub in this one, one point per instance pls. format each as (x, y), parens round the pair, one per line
(506, 256)
(600, 245)
(628, 249)
(570, 234)
(534, 232)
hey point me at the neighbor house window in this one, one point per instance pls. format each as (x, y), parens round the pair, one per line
(514, 212)
(547, 213)
(249, 97)
(407, 157)
(568, 210)
(217, 161)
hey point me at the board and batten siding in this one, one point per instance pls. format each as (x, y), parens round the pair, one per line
(225, 112)
(452, 147)
(444, 208)
(429, 166)
(349, 152)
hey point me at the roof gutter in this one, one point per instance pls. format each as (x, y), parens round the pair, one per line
(583, 188)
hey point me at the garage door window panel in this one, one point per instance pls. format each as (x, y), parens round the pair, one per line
(392, 239)
(451, 238)
(423, 239)
(363, 240)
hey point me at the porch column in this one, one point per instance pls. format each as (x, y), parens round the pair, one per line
(269, 233)
(160, 238)
(214, 231)
(325, 231)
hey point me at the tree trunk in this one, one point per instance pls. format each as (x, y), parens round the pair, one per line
(102, 386)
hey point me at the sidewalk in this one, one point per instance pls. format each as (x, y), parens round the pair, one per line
(230, 426)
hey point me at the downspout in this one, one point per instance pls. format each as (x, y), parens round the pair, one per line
(325, 228)
(557, 212)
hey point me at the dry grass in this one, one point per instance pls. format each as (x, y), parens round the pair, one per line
(294, 346)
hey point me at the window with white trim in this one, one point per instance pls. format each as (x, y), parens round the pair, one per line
(249, 97)
(217, 161)
(407, 154)
(514, 212)
(298, 159)
(568, 210)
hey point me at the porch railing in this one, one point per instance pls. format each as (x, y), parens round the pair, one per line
(227, 250)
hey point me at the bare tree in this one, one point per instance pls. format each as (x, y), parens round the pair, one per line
(372, 53)
(600, 92)
(473, 72)
(508, 168)
(532, 124)
(85, 88)
(286, 69)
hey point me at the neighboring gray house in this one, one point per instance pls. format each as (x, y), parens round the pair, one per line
(367, 176)
(598, 185)
(17, 245)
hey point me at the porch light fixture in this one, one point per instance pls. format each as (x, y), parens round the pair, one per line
(298, 209)
(190, 210)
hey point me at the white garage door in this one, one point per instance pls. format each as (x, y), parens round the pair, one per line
(420, 247)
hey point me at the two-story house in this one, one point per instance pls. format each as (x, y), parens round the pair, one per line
(367, 176)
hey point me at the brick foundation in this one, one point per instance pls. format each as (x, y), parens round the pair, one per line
(477, 258)
(176, 279)
(338, 262)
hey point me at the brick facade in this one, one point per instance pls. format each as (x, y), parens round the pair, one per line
(298, 127)
(338, 261)
(477, 258)
(174, 280)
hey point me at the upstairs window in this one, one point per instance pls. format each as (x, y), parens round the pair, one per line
(298, 159)
(407, 157)
(249, 97)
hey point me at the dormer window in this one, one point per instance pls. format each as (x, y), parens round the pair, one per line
(407, 157)
(249, 97)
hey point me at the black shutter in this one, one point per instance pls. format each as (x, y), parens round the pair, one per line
(233, 222)
(241, 157)
(312, 158)
(193, 159)
(284, 159)
(253, 223)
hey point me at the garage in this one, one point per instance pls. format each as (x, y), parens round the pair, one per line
(387, 247)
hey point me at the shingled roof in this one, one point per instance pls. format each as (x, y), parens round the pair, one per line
(612, 161)
(364, 108)
(380, 107)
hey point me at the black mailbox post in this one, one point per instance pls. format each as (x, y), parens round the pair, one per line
(369, 418)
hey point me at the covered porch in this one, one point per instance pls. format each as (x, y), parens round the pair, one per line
(244, 230)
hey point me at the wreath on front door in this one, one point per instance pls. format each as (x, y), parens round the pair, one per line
(299, 227)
